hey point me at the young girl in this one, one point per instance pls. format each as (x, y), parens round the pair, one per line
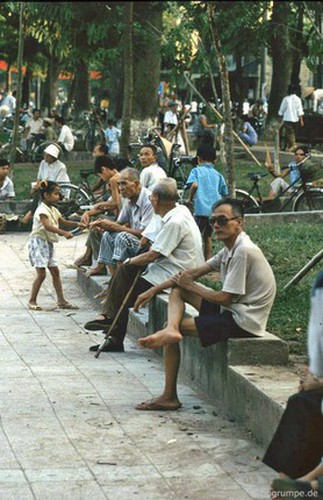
(44, 233)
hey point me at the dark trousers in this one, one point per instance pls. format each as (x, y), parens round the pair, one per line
(119, 286)
(297, 445)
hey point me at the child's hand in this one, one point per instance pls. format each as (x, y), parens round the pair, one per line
(68, 235)
(81, 225)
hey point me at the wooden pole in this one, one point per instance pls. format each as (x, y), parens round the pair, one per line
(305, 270)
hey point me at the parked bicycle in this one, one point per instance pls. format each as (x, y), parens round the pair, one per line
(300, 195)
(77, 199)
(94, 133)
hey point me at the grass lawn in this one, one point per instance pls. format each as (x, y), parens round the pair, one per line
(288, 247)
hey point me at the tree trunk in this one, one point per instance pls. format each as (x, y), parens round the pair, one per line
(128, 79)
(281, 55)
(82, 88)
(226, 98)
(26, 87)
(15, 136)
(51, 85)
(147, 61)
(297, 53)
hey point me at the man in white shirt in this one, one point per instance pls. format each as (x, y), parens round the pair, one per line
(33, 128)
(317, 97)
(65, 138)
(170, 122)
(240, 309)
(151, 172)
(291, 109)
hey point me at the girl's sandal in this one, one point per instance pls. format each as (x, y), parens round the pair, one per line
(34, 307)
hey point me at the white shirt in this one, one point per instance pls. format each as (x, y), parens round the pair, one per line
(291, 108)
(180, 244)
(55, 172)
(246, 273)
(317, 96)
(7, 190)
(66, 138)
(171, 118)
(149, 176)
(35, 126)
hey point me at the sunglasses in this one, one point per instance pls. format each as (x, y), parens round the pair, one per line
(221, 220)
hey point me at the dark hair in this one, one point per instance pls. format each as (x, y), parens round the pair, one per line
(303, 148)
(103, 161)
(291, 89)
(59, 119)
(206, 152)
(4, 162)
(47, 187)
(35, 109)
(110, 121)
(150, 146)
(236, 205)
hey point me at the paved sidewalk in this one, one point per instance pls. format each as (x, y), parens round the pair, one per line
(69, 429)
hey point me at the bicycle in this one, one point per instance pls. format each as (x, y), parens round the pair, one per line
(94, 133)
(300, 195)
(75, 200)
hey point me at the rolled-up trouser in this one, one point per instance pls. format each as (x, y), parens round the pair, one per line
(115, 246)
(93, 242)
(290, 128)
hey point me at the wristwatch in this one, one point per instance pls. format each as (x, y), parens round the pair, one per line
(127, 261)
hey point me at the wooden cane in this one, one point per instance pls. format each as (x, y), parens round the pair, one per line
(117, 316)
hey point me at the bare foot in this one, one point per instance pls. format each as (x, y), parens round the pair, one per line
(82, 261)
(95, 271)
(161, 338)
(159, 404)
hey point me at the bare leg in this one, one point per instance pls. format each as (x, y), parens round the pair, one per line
(86, 259)
(54, 271)
(41, 274)
(171, 333)
(318, 471)
(98, 269)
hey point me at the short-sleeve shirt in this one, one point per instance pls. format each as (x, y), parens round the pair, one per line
(179, 243)
(149, 176)
(211, 187)
(38, 229)
(245, 272)
(137, 214)
(35, 126)
(291, 108)
(7, 190)
(55, 171)
(112, 135)
(171, 118)
(250, 131)
(66, 137)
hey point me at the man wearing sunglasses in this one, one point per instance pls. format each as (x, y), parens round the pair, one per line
(240, 309)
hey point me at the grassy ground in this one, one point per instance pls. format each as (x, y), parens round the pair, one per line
(287, 247)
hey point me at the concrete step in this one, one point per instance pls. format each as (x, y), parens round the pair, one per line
(252, 377)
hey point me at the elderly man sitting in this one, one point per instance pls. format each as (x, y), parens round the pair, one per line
(177, 246)
(124, 234)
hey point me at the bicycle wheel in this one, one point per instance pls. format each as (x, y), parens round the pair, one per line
(92, 138)
(73, 199)
(250, 204)
(312, 199)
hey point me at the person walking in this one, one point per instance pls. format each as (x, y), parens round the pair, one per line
(44, 234)
(291, 109)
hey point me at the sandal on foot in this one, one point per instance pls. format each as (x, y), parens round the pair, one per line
(34, 307)
(67, 305)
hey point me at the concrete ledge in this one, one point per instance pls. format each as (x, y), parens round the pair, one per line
(244, 374)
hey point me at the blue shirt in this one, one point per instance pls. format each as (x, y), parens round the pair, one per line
(294, 173)
(211, 187)
(250, 131)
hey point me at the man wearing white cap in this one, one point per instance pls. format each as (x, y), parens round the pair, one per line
(50, 169)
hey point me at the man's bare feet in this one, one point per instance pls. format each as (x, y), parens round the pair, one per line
(161, 338)
(159, 404)
(95, 271)
(83, 261)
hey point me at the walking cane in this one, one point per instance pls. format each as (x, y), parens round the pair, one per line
(117, 316)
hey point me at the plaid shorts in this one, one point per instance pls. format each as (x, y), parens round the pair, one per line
(41, 252)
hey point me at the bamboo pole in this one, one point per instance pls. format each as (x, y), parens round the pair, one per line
(317, 258)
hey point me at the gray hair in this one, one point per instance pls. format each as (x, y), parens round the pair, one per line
(166, 189)
(131, 173)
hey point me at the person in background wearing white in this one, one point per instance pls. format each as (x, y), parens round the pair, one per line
(291, 109)
(65, 139)
(112, 135)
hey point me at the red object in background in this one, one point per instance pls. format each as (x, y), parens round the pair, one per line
(94, 75)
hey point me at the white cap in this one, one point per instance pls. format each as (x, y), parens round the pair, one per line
(52, 150)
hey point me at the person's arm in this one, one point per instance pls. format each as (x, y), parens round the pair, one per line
(108, 225)
(185, 281)
(52, 229)
(192, 192)
(205, 123)
(115, 203)
(71, 223)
